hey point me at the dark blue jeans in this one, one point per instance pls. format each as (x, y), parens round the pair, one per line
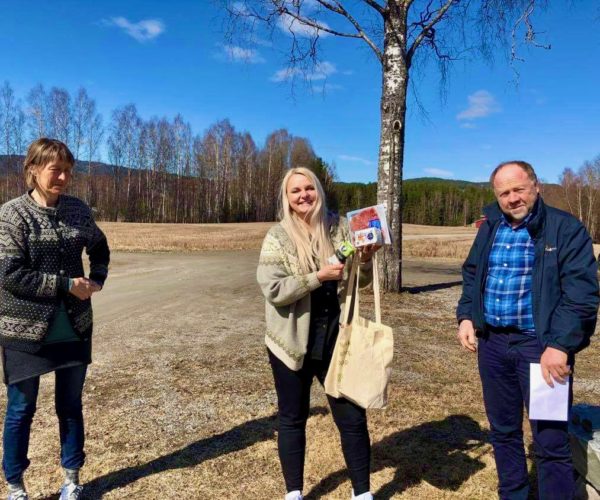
(504, 360)
(20, 408)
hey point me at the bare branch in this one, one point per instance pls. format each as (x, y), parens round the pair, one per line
(376, 6)
(428, 29)
(314, 24)
(339, 9)
(530, 36)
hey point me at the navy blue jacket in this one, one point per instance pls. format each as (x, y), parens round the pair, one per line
(564, 281)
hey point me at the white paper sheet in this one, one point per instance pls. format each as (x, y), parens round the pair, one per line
(545, 402)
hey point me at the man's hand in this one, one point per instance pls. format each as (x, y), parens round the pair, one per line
(466, 335)
(83, 288)
(367, 252)
(554, 366)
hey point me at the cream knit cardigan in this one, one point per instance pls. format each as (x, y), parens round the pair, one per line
(287, 292)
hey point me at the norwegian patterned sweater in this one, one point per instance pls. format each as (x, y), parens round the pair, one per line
(287, 292)
(40, 249)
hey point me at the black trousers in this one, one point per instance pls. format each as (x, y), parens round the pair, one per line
(293, 395)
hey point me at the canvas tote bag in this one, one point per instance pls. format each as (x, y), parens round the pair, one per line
(362, 358)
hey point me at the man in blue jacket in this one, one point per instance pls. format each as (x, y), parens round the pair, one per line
(530, 295)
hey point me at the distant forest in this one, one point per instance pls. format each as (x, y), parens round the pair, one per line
(158, 170)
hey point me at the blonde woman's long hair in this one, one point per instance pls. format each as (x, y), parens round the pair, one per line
(312, 240)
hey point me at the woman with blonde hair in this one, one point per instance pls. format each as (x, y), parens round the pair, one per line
(302, 292)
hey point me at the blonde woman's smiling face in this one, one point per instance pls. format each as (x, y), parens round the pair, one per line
(302, 195)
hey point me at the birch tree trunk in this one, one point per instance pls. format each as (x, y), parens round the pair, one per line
(391, 145)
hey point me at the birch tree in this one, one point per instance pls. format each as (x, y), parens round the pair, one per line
(8, 117)
(59, 115)
(82, 115)
(398, 33)
(37, 112)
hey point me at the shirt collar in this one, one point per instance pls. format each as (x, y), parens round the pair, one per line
(523, 223)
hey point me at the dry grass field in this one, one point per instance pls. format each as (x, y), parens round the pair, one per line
(419, 241)
(134, 237)
(180, 402)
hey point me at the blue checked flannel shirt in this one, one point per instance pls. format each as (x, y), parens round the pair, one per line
(507, 299)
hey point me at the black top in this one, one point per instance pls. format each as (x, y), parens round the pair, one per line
(324, 321)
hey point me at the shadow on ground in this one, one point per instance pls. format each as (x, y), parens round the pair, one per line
(431, 288)
(235, 439)
(435, 452)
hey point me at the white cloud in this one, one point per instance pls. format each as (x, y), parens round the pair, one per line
(481, 104)
(292, 26)
(241, 54)
(284, 74)
(321, 71)
(142, 31)
(438, 172)
(356, 159)
(468, 125)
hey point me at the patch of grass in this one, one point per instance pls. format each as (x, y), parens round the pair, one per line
(437, 248)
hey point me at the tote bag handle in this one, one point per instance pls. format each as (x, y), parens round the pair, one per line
(353, 285)
(350, 290)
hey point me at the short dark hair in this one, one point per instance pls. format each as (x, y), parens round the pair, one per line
(527, 168)
(43, 151)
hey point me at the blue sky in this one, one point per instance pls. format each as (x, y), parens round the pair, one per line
(171, 57)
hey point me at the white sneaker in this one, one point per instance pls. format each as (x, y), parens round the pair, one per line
(18, 495)
(363, 496)
(294, 495)
(71, 491)
(17, 492)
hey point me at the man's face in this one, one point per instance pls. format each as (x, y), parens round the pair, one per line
(516, 192)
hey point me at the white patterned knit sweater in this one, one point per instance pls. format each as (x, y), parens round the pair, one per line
(287, 292)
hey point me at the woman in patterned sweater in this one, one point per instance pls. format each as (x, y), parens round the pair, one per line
(45, 308)
(302, 314)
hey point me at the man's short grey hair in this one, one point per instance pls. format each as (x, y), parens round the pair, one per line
(527, 168)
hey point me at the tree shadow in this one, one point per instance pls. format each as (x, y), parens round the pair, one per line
(435, 452)
(235, 439)
(431, 288)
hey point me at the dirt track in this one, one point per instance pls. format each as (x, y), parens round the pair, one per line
(207, 283)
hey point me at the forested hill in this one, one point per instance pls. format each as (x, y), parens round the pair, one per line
(430, 201)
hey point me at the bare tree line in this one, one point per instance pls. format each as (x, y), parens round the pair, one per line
(582, 194)
(159, 170)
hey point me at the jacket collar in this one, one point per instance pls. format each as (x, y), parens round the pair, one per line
(536, 223)
(33, 205)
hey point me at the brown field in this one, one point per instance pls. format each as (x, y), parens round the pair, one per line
(419, 241)
(135, 237)
(180, 402)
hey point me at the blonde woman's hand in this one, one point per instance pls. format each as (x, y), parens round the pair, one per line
(331, 272)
